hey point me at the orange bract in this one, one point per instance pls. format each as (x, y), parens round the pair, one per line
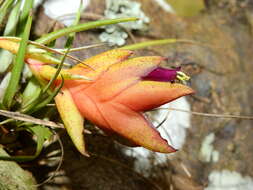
(116, 98)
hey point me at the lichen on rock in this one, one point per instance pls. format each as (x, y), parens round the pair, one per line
(229, 180)
(115, 34)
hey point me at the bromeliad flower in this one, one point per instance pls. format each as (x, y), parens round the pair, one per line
(115, 99)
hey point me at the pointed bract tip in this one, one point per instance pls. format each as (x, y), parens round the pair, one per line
(190, 91)
(167, 150)
(85, 154)
(83, 151)
(173, 150)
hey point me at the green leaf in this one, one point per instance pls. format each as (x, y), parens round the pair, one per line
(28, 5)
(42, 134)
(71, 36)
(47, 88)
(18, 66)
(2, 106)
(40, 101)
(49, 98)
(4, 9)
(146, 44)
(56, 73)
(150, 43)
(11, 26)
(46, 39)
(31, 92)
(10, 30)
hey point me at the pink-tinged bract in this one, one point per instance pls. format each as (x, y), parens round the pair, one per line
(121, 91)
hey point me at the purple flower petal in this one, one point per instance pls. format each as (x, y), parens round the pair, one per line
(162, 74)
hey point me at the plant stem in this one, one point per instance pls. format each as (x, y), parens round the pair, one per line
(46, 39)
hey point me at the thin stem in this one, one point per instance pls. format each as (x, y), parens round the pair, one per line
(81, 48)
(59, 164)
(81, 27)
(27, 118)
(146, 44)
(209, 114)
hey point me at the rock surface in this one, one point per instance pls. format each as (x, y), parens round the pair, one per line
(13, 177)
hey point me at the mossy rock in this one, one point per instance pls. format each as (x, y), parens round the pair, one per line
(13, 177)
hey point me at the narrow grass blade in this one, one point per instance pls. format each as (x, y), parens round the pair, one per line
(31, 92)
(11, 26)
(10, 30)
(2, 106)
(39, 102)
(4, 9)
(146, 44)
(4, 84)
(42, 134)
(50, 98)
(28, 5)
(56, 73)
(71, 36)
(142, 45)
(18, 66)
(82, 48)
(81, 27)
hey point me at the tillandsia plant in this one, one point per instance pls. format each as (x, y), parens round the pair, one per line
(110, 89)
(117, 93)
